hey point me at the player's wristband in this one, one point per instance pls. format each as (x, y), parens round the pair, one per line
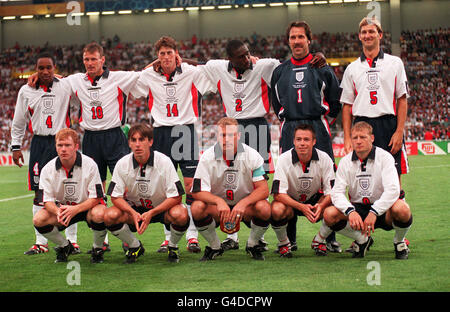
(373, 211)
(15, 148)
(349, 210)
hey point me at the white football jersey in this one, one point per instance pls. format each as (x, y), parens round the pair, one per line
(302, 181)
(244, 96)
(103, 101)
(175, 99)
(71, 187)
(148, 185)
(373, 87)
(45, 112)
(230, 180)
(371, 181)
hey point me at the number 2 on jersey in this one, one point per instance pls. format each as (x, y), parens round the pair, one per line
(238, 105)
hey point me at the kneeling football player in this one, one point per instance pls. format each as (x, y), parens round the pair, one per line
(301, 186)
(371, 178)
(72, 191)
(145, 188)
(230, 186)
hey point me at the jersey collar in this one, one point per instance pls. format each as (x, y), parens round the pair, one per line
(218, 153)
(149, 162)
(105, 75)
(370, 156)
(45, 88)
(302, 61)
(314, 156)
(373, 62)
(364, 161)
(170, 77)
(58, 165)
(238, 74)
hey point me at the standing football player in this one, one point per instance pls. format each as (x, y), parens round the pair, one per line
(375, 90)
(174, 93)
(305, 95)
(45, 109)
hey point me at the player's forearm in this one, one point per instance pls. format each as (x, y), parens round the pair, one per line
(260, 192)
(347, 120)
(87, 204)
(51, 207)
(166, 205)
(402, 111)
(325, 201)
(120, 203)
(286, 200)
(208, 198)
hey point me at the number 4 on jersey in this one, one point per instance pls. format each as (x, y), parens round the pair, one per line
(49, 122)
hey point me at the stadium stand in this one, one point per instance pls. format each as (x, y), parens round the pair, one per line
(424, 52)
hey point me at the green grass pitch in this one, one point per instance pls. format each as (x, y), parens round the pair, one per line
(427, 269)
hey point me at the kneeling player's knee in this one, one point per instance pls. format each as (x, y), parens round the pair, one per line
(278, 210)
(262, 208)
(400, 211)
(179, 214)
(331, 216)
(111, 215)
(197, 209)
(97, 213)
(40, 218)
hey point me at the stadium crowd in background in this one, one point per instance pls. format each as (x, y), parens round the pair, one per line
(424, 53)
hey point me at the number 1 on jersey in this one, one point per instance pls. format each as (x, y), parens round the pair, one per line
(299, 98)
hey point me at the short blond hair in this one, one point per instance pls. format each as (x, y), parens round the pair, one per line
(370, 21)
(362, 125)
(227, 121)
(67, 133)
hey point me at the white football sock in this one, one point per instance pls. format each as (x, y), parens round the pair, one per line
(192, 229)
(256, 232)
(56, 237)
(233, 236)
(126, 236)
(99, 238)
(71, 233)
(175, 237)
(353, 234)
(210, 234)
(40, 239)
(281, 233)
(324, 232)
(400, 233)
